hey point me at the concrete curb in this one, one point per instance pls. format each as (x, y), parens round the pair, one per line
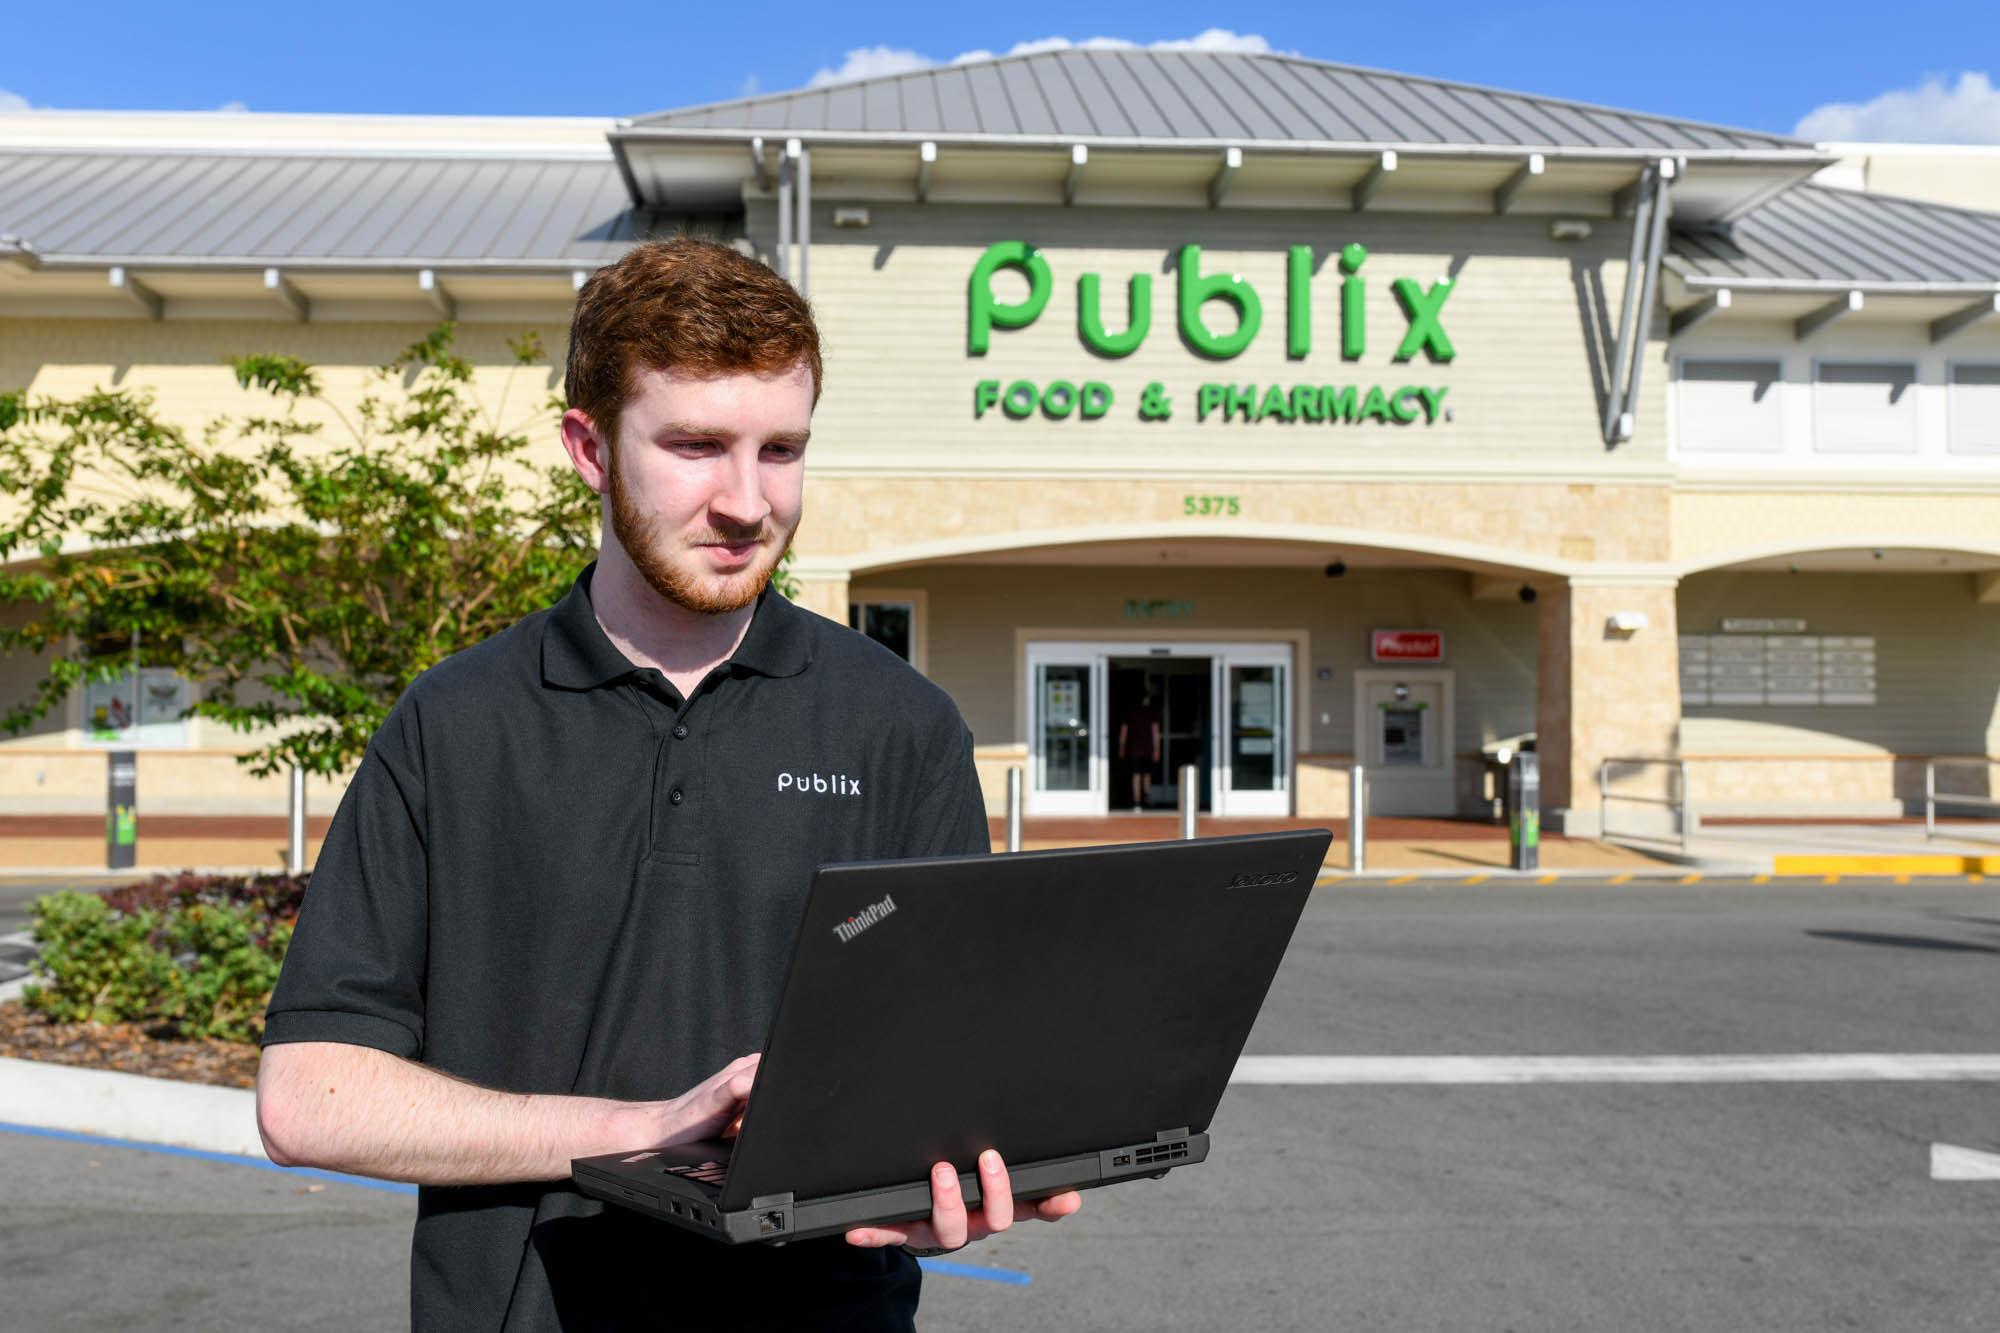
(128, 1106)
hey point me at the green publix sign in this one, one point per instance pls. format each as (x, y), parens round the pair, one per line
(1091, 399)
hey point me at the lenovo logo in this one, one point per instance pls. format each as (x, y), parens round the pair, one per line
(1263, 881)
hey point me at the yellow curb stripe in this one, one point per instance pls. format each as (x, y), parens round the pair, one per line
(1547, 879)
(1619, 879)
(1475, 879)
(1760, 879)
(1691, 879)
(1911, 863)
(1400, 879)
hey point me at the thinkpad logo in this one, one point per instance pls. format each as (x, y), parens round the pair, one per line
(864, 918)
(1263, 881)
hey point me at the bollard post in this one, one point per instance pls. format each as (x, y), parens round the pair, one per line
(121, 826)
(1524, 828)
(1357, 819)
(1190, 798)
(1014, 809)
(295, 845)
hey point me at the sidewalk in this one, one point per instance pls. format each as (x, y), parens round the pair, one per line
(1833, 847)
(1393, 844)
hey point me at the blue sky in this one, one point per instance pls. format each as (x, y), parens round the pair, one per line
(1925, 69)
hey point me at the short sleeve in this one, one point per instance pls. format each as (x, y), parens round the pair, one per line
(354, 972)
(949, 817)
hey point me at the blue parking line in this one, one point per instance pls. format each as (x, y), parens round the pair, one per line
(945, 1267)
(232, 1159)
(951, 1268)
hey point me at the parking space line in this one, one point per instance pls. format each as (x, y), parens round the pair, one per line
(1434, 1070)
(199, 1154)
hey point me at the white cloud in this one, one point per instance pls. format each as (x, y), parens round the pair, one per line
(1221, 39)
(233, 108)
(12, 101)
(870, 62)
(1932, 112)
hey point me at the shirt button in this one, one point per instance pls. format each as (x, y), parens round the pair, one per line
(681, 731)
(674, 797)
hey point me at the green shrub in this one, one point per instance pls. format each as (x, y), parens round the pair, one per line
(198, 953)
(100, 965)
(225, 962)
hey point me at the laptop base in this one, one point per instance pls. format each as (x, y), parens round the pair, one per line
(647, 1182)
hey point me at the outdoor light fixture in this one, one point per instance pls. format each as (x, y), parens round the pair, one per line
(1568, 229)
(1627, 622)
(850, 217)
(1336, 569)
(1528, 593)
(1401, 691)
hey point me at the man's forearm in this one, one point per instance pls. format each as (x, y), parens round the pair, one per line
(355, 1109)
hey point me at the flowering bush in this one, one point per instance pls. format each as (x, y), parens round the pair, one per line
(197, 953)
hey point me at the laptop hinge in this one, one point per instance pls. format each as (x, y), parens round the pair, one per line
(1169, 1135)
(772, 1200)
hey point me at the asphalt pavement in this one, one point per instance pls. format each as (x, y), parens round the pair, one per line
(1760, 1197)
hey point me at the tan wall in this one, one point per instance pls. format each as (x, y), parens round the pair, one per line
(1963, 177)
(43, 781)
(883, 520)
(1937, 653)
(1602, 693)
(975, 612)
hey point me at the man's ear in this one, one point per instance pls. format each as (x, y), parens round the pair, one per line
(588, 452)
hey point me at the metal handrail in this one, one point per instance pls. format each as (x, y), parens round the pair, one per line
(1679, 802)
(1931, 792)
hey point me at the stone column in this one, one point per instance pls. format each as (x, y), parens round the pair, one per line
(1602, 692)
(822, 591)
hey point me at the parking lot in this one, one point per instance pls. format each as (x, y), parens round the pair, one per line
(1764, 1180)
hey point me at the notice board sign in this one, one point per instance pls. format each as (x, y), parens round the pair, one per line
(1406, 645)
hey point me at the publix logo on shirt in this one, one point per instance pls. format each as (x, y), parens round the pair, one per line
(820, 784)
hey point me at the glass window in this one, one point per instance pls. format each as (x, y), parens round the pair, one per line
(1730, 407)
(1975, 409)
(1865, 407)
(1256, 725)
(1063, 693)
(891, 624)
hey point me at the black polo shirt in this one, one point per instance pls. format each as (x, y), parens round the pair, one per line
(552, 874)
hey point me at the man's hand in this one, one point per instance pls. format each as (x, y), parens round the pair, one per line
(950, 1226)
(712, 1108)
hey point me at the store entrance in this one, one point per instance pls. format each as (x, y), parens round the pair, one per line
(1158, 721)
(1111, 727)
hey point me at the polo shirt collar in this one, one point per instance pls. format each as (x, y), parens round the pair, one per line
(577, 654)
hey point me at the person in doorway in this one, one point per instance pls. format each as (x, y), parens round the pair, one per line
(554, 908)
(1139, 746)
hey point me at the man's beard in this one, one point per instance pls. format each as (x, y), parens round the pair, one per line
(708, 594)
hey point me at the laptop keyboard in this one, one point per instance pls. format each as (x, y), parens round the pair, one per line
(708, 1173)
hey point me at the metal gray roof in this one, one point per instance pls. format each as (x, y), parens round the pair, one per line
(1236, 98)
(329, 211)
(1813, 236)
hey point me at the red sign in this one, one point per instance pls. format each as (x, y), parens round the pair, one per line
(1406, 645)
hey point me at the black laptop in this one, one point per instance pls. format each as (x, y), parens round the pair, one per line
(1087, 1007)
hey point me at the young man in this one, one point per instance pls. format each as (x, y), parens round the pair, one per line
(553, 910)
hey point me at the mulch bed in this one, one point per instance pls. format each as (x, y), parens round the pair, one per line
(129, 1048)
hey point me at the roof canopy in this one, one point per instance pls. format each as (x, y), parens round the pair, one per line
(1173, 104)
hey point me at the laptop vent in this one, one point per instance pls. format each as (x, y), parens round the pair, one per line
(1154, 1153)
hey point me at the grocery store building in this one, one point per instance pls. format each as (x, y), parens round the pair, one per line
(1321, 415)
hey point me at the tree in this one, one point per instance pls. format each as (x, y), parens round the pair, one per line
(300, 582)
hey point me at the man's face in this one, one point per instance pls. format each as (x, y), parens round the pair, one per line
(705, 484)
